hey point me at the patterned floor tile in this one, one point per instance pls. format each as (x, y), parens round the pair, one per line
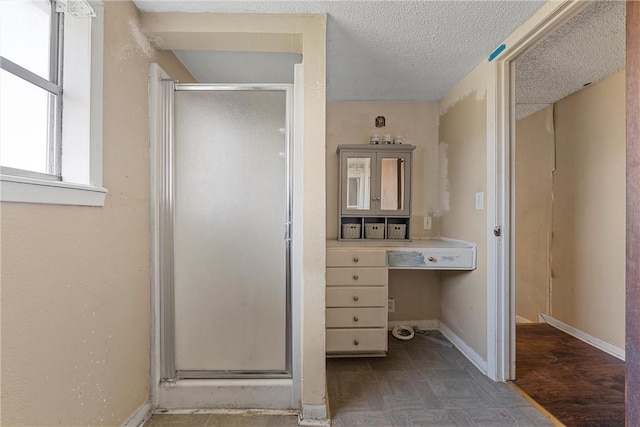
(419, 384)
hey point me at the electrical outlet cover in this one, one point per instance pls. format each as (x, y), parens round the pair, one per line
(427, 222)
(392, 305)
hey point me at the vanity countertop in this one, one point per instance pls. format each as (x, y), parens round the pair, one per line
(433, 243)
(429, 254)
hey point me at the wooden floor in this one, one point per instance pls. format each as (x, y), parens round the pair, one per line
(577, 383)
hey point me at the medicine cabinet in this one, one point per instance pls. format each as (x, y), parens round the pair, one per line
(375, 191)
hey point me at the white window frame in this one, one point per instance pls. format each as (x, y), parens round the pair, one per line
(81, 140)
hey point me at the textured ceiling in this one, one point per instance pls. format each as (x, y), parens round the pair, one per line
(588, 48)
(391, 50)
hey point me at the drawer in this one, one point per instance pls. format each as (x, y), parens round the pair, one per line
(376, 276)
(357, 296)
(356, 340)
(433, 259)
(356, 258)
(356, 317)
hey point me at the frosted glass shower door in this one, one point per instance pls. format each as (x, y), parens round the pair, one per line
(231, 213)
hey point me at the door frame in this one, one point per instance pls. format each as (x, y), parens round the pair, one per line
(502, 323)
(632, 398)
(275, 393)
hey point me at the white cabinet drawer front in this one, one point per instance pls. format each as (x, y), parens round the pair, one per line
(433, 259)
(350, 317)
(357, 296)
(356, 276)
(356, 340)
(356, 258)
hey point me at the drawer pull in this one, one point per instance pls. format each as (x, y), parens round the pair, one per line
(432, 259)
(355, 259)
(355, 298)
(356, 342)
(355, 318)
(355, 277)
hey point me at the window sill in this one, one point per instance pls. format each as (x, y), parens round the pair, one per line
(30, 190)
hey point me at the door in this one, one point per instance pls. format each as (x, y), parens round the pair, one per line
(394, 180)
(375, 183)
(231, 233)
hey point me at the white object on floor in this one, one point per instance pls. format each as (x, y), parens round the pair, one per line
(402, 332)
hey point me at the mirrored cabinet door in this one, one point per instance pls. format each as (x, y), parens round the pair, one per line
(395, 183)
(359, 183)
(375, 182)
(357, 170)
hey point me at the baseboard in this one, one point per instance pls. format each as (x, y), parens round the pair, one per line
(141, 415)
(314, 416)
(224, 411)
(520, 319)
(467, 351)
(583, 336)
(421, 324)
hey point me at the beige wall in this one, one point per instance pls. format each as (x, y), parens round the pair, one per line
(535, 148)
(588, 246)
(417, 122)
(416, 292)
(296, 33)
(75, 280)
(463, 141)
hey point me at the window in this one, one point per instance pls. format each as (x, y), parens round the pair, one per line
(50, 102)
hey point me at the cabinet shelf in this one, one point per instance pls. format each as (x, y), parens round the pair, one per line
(374, 228)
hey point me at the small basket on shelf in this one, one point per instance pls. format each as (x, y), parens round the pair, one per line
(351, 231)
(374, 231)
(396, 231)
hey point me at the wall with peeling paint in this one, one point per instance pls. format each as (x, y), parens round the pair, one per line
(589, 217)
(584, 211)
(535, 158)
(463, 146)
(75, 280)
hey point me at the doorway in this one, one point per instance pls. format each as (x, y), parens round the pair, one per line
(550, 18)
(224, 259)
(552, 233)
(231, 309)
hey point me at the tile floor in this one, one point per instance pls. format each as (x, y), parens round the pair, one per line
(419, 383)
